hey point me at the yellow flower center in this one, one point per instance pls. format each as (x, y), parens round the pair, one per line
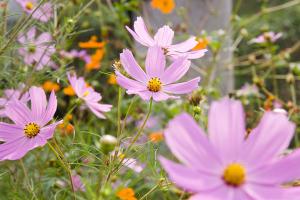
(29, 5)
(154, 84)
(234, 174)
(86, 93)
(31, 130)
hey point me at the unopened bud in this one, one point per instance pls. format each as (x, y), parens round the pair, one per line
(108, 143)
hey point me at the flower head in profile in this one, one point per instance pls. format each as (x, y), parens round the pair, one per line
(165, 6)
(77, 183)
(31, 128)
(44, 13)
(163, 38)
(266, 37)
(88, 95)
(11, 95)
(227, 164)
(158, 81)
(36, 50)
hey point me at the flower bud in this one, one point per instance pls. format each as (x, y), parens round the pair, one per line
(108, 143)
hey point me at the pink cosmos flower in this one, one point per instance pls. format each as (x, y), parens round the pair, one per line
(11, 95)
(88, 95)
(31, 126)
(82, 54)
(158, 82)
(163, 38)
(227, 164)
(36, 50)
(44, 13)
(266, 37)
(77, 183)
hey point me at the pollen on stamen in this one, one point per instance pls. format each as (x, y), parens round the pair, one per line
(154, 84)
(29, 5)
(234, 174)
(31, 130)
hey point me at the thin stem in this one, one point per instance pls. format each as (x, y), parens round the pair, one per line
(150, 191)
(119, 110)
(65, 166)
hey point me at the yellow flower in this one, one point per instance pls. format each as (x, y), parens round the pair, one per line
(48, 86)
(165, 6)
(95, 60)
(202, 44)
(112, 79)
(156, 137)
(69, 91)
(92, 43)
(126, 194)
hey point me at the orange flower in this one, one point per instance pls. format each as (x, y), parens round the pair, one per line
(66, 128)
(69, 91)
(49, 86)
(202, 44)
(112, 79)
(165, 6)
(156, 137)
(95, 60)
(92, 43)
(126, 194)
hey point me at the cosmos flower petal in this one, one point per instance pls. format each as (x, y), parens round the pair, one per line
(51, 109)
(38, 101)
(273, 173)
(185, 45)
(189, 179)
(145, 95)
(48, 131)
(257, 191)
(164, 36)
(222, 192)
(189, 144)
(155, 62)
(161, 96)
(137, 38)
(129, 84)
(182, 88)
(13, 150)
(10, 132)
(18, 112)
(271, 136)
(99, 109)
(141, 30)
(176, 70)
(226, 127)
(131, 66)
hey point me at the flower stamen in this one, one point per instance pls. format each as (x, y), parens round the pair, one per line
(31, 130)
(234, 175)
(154, 84)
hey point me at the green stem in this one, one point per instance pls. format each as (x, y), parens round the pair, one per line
(65, 166)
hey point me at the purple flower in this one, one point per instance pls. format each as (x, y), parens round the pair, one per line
(88, 95)
(158, 82)
(11, 95)
(227, 164)
(36, 50)
(163, 38)
(266, 37)
(133, 164)
(43, 13)
(77, 183)
(31, 126)
(82, 54)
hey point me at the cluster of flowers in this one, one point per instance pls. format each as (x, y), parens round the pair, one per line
(226, 164)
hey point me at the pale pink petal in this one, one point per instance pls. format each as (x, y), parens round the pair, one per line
(164, 36)
(265, 192)
(9, 132)
(155, 62)
(38, 102)
(141, 30)
(175, 71)
(188, 178)
(14, 150)
(137, 38)
(129, 84)
(189, 144)
(184, 46)
(222, 192)
(51, 109)
(18, 112)
(48, 131)
(161, 96)
(271, 136)
(226, 128)
(132, 67)
(182, 88)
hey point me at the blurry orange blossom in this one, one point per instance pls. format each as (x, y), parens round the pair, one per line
(165, 6)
